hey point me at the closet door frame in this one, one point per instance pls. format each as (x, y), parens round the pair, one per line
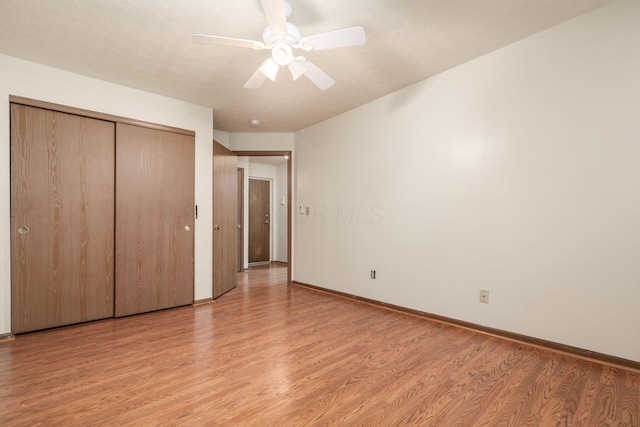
(95, 115)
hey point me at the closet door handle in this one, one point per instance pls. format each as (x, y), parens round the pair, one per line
(23, 230)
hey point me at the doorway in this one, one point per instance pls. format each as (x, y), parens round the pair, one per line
(280, 217)
(260, 213)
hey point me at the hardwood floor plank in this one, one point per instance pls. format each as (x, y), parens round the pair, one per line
(518, 366)
(272, 354)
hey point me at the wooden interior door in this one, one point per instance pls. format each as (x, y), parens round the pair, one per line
(240, 238)
(154, 219)
(225, 219)
(259, 220)
(62, 210)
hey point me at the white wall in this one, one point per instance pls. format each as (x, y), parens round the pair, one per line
(221, 137)
(280, 215)
(31, 80)
(517, 172)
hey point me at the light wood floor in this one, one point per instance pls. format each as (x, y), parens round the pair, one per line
(271, 354)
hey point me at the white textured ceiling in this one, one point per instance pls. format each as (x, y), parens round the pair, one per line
(146, 44)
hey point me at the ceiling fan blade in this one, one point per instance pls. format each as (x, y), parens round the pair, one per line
(317, 76)
(352, 36)
(297, 69)
(224, 41)
(256, 80)
(276, 15)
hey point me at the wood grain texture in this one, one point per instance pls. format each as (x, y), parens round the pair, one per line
(271, 354)
(225, 219)
(154, 204)
(577, 352)
(62, 189)
(259, 220)
(96, 115)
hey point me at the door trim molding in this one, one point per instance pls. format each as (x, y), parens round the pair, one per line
(289, 199)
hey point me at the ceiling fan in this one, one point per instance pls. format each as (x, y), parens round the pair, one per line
(282, 37)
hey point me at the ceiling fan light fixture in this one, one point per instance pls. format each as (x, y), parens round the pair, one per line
(282, 37)
(282, 53)
(270, 69)
(297, 69)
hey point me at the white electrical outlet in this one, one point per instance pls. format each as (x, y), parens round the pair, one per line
(484, 296)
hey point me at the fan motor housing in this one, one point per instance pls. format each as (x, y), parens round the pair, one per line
(271, 36)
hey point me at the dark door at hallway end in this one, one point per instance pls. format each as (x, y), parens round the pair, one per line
(259, 221)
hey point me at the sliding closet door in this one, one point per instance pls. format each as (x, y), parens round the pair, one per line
(62, 198)
(154, 219)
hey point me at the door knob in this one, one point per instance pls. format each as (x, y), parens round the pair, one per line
(239, 226)
(266, 222)
(23, 230)
(217, 227)
(186, 228)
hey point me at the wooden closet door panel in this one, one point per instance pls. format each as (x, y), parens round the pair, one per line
(225, 219)
(62, 189)
(154, 219)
